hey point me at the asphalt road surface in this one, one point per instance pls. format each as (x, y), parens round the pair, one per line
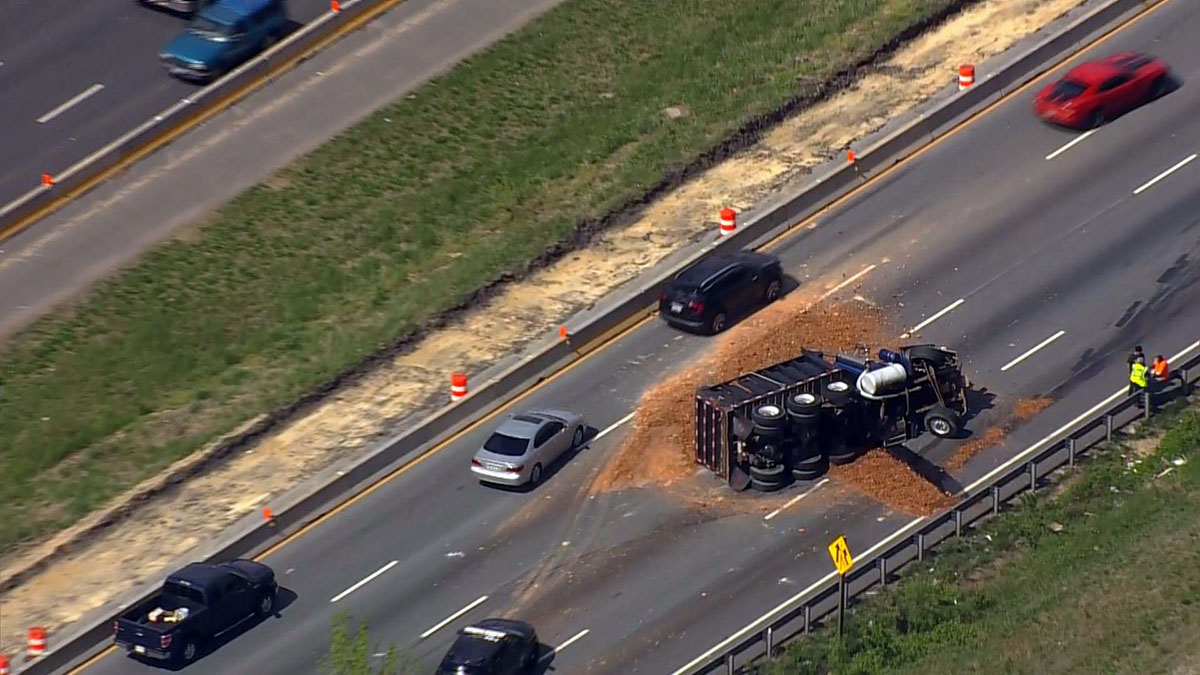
(1019, 247)
(76, 75)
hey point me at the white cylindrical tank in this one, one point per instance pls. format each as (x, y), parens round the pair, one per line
(877, 382)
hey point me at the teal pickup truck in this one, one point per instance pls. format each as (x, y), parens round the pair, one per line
(223, 35)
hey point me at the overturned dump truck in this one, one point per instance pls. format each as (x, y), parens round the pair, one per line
(787, 422)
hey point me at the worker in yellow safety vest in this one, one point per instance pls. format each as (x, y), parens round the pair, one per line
(1137, 376)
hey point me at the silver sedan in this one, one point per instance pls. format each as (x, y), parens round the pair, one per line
(524, 445)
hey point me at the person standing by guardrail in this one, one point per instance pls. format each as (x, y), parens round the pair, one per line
(1135, 355)
(1159, 370)
(1137, 375)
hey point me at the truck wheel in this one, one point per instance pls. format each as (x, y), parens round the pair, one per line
(935, 357)
(838, 394)
(803, 405)
(843, 456)
(941, 421)
(767, 417)
(189, 651)
(769, 480)
(266, 603)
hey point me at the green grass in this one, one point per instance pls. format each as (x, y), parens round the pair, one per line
(1116, 591)
(390, 224)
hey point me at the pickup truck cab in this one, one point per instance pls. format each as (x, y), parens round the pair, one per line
(223, 35)
(195, 605)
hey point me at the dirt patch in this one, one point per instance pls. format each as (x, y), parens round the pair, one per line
(660, 451)
(1024, 409)
(407, 385)
(890, 481)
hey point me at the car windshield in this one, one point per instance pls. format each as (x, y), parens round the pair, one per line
(1067, 89)
(506, 445)
(211, 30)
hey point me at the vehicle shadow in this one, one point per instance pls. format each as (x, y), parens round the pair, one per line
(926, 469)
(979, 401)
(283, 599)
(549, 472)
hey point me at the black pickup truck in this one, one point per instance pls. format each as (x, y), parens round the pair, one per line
(196, 604)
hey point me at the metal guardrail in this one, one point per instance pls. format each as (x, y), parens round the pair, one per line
(291, 50)
(875, 568)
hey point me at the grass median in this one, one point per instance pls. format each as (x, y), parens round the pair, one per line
(392, 223)
(1100, 577)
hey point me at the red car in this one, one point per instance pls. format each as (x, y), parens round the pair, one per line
(1097, 91)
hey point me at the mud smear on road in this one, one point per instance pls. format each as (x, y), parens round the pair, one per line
(1024, 409)
(659, 450)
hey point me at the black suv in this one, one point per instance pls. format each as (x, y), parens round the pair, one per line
(713, 290)
(492, 647)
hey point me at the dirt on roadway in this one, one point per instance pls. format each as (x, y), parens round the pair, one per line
(137, 551)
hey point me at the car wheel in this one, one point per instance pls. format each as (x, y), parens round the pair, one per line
(773, 289)
(535, 476)
(577, 440)
(266, 603)
(717, 324)
(1096, 119)
(1159, 88)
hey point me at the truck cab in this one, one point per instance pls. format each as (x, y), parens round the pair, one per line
(223, 35)
(195, 605)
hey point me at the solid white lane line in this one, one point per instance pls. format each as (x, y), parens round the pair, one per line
(1068, 146)
(616, 424)
(853, 278)
(795, 499)
(1164, 174)
(364, 582)
(63, 108)
(570, 641)
(946, 310)
(902, 532)
(442, 624)
(1031, 352)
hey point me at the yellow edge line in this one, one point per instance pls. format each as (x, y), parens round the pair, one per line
(603, 342)
(200, 117)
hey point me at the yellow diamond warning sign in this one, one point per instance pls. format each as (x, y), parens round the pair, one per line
(840, 553)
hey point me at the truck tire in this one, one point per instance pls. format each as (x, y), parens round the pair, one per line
(803, 405)
(190, 649)
(769, 480)
(838, 394)
(842, 456)
(934, 356)
(810, 468)
(941, 421)
(767, 416)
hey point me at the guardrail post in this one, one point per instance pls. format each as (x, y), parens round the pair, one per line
(920, 547)
(882, 570)
(1183, 379)
(769, 638)
(957, 522)
(995, 499)
(1033, 476)
(1108, 428)
(807, 618)
(1071, 451)
(729, 668)
(1146, 403)
(841, 603)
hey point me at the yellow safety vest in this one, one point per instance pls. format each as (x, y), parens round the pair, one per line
(1137, 374)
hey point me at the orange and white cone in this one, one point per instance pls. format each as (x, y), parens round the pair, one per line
(966, 76)
(37, 643)
(458, 387)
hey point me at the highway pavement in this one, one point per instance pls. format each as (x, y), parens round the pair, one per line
(65, 252)
(1042, 272)
(76, 75)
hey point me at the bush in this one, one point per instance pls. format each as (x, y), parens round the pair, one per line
(350, 653)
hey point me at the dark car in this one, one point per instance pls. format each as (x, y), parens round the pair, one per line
(196, 605)
(1096, 91)
(706, 295)
(223, 35)
(492, 647)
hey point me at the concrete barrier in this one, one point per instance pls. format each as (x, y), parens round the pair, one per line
(637, 299)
